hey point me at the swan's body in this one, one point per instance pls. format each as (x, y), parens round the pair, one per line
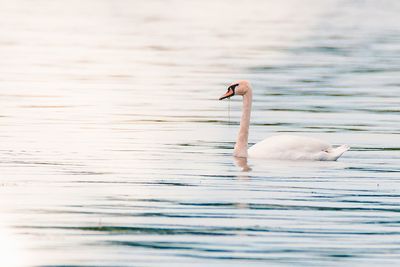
(292, 147)
(282, 147)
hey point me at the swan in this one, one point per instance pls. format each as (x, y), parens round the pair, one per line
(281, 147)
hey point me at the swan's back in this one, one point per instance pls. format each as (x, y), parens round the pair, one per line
(292, 147)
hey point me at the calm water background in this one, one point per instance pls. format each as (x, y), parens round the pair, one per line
(115, 151)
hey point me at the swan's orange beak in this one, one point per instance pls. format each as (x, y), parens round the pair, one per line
(228, 93)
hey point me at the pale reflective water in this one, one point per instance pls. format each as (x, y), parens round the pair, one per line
(115, 151)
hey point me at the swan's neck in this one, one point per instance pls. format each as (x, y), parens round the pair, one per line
(243, 136)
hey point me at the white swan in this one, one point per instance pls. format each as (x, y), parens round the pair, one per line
(283, 147)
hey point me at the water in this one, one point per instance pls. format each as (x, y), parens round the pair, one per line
(115, 151)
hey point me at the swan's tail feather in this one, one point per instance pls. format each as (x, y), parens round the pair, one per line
(338, 151)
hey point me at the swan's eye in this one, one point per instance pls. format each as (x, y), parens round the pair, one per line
(233, 86)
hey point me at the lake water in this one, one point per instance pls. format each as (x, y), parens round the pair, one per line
(116, 152)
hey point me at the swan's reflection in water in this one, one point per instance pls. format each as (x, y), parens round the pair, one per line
(242, 163)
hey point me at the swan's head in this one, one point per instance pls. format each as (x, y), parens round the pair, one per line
(236, 88)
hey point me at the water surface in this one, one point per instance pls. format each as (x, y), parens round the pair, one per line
(115, 151)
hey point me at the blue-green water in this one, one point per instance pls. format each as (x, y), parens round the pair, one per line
(115, 151)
